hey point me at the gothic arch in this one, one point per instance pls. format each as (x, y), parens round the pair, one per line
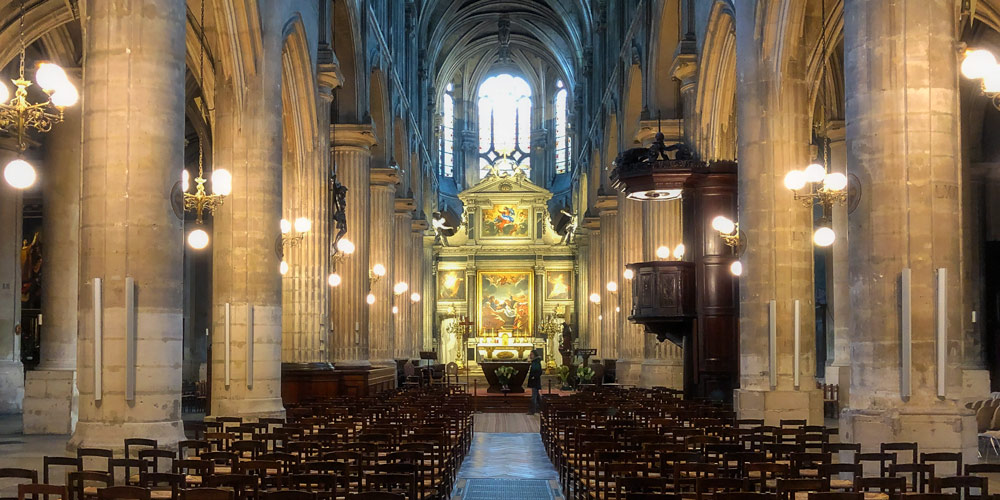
(715, 103)
(349, 97)
(662, 93)
(632, 107)
(379, 106)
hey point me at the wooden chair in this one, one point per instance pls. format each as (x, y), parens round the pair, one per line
(882, 459)
(289, 495)
(163, 485)
(153, 456)
(83, 484)
(41, 491)
(900, 450)
(713, 486)
(929, 496)
(787, 488)
(123, 493)
(88, 456)
(48, 463)
(206, 494)
(19, 474)
(892, 486)
(375, 495)
(838, 495)
(963, 486)
(133, 444)
(920, 475)
(243, 486)
(747, 495)
(390, 482)
(942, 458)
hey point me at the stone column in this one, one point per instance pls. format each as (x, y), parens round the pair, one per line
(349, 313)
(838, 356)
(51, 396)
(128, 228)
(582, 305)
(417, 284)
(592, 340)
(402, 263)
(381, 335)
(778, 264)
(11, 368)
(632, 341)
(902, 114)
(663, 362)
(611, 270)
(429, 299)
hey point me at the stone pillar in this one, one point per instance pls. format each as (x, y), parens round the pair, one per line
(381, 335)
(838, 356)
(11, 368)
(663, 362)
(128, 228)
(401, 263)
(592, 340)
(419, 284)
(909, 217)
(778, 263)
(51, 396)
(352, 154)
(611, 270)
(582, 305)
(430, 290)
(632, 341)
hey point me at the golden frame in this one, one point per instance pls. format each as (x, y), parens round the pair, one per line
(531, 299)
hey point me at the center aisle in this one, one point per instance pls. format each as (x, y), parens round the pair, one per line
(507, 461)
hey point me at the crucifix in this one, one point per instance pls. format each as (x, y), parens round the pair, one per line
(466, 323)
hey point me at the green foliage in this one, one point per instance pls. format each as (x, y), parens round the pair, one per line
(584, 374)
(563, 373)
(504, 373)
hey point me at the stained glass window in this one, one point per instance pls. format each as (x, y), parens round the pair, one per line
(562, 137)
(448, 132)
(504, 124)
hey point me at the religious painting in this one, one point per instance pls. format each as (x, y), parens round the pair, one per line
(558, 285)
(505, 221)
(451, 285)
(505, 303)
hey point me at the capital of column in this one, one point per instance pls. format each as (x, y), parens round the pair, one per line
(387, 177)
(836, 131)
(592, 224)
(405, 205)
(329, 76)
(351, 136)
(607, 205)
(685, 69)
(419, 225)
(673, 130)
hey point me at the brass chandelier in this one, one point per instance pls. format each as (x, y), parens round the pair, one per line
(17, 114)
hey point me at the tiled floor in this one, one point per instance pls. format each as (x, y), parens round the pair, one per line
(507, 465)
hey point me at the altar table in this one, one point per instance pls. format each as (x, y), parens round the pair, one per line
(516, 383)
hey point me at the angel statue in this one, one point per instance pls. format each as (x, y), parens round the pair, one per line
(440, 225)
(338, 198)
(570, 228)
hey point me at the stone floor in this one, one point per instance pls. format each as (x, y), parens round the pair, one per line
(507, 465)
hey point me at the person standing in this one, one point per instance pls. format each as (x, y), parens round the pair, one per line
(535, 381)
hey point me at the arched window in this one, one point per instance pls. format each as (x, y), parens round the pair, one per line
(504, 124)
(447, 133)
(563, 146)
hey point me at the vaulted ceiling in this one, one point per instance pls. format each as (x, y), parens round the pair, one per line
(457, 32)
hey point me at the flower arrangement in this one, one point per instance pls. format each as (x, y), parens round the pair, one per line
(584, 373)
(504, 374)
(563, 373)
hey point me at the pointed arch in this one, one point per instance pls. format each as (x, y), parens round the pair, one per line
(380, 118)
(715, 104)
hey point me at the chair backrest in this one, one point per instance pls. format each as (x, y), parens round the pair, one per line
(152, 457)
(920, 475)
(91, 459)
(945, 457)
(49, 462)
(77, 481)
(133, 444)
(905, 452)
(41, 491)
(376, 495)
(290, 495)
(206, 494)
(123, 493)
(822, 495)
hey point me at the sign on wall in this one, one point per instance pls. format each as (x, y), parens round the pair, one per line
(505, 221)
(505, 303)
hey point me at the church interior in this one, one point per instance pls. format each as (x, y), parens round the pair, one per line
(539, 249)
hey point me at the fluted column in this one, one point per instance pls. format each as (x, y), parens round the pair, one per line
(631, 343)
(128, 229)
(595, 285)
(582, 304)
(417, 284)
(663, 362)
(838, 354)
(11, 368)
(351, 146)
(402, 262)
(611, 271)
(429, 298)
(381, 333)
(774, 137)
(902, 114)
(51, 396)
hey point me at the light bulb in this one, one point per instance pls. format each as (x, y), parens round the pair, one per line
(662, 252)
(370, 298)
(222, 182)
(618, 309)
(795, 180)
(679, 251)
(977, 63)
(65, 96)
(815, 172)
(400, 288)
(185, 180)
(50, 77)
(334, 279)
(628, 274)
(736, 268)
(824, 236)
(612, 286)
(345, 245)
(19, 174)
(286, 227)
(4, 93)
(991, 80)
(303, 225)
(415, 297)
(723, 224)
(600, 317)
(283, 268)
(378, 270)
(835, 181)
(395, 309)
(595, 298)
(198, 239)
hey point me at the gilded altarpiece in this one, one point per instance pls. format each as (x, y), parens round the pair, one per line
(507, 272)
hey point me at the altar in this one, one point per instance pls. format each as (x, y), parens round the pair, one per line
(503, 349)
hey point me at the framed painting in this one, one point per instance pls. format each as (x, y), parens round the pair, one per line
(505, 303)
(559, 285)
(506, 221)
(451, 285)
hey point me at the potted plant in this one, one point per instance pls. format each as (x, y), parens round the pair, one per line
(504, 374)
(584, 373)
(564, 372)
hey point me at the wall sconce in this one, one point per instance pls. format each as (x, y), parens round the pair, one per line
(415, 297)
(736, 268)
(286, 238)
(628, 274)
(376, 273)
(826, 188)
(198, 239)
(400, 288)
(345, 248)
(728, 230)
(395, 309)
(612, 287)
(595, 298)
(334, 279)
(980, 64)
(824, 236)
(370, 298)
